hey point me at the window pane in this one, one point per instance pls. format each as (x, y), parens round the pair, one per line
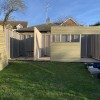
(24, 37)
(29, 36)
(57, 38)
(65, 38)
(53, 38)
(43, 41)
(43, 46)
(75, 38)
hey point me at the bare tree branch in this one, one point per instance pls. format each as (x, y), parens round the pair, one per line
(10, 6)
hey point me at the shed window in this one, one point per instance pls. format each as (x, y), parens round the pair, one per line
(24, 37)
(57, 38)
(65, 38)
(75, 38)
(53, 38)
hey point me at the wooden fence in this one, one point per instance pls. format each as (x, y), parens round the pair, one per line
(19, 44)
(3, 53)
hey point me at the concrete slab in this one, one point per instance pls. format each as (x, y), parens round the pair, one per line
(30, 59)
(88, 60)
(48, 59)
(22, 59)
(44, 59)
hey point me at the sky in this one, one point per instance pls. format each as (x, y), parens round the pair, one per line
(84, 12)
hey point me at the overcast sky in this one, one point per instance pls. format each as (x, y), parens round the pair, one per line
(82, 11)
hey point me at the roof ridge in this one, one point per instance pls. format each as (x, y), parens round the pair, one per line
(69, 19)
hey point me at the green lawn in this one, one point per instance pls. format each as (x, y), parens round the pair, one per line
(48, 81)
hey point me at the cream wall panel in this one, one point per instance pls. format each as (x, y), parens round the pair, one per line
(75, 30)
(3, 54)
(37, 43)
(65, 51)
(1, 28)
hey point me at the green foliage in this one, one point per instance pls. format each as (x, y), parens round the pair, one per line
(96, 24)
(10, 6)
(48, 81)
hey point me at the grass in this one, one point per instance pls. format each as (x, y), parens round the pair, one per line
(48, 81)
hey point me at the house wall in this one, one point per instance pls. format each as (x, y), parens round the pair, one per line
(72, 51)
(3, 54)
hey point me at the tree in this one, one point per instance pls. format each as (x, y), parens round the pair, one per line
(10, 6)
(96, 24)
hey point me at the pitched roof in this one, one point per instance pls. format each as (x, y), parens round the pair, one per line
(69, 22)
(15, 23)
(41, 28)
(47, 27)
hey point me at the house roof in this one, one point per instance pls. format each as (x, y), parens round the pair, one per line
(15, 23)
(47, 27)
(41, 28)
(69, 22)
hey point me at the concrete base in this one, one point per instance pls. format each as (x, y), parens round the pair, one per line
(83, 60)
(48, 59)
(88, 60)
(22, 59)
(44, 59)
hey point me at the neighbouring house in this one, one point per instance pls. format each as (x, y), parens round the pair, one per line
(16, 24)
(67, 41)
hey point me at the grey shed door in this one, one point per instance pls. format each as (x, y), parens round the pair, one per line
(84, 46)
(48, 45)
(45, 45)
